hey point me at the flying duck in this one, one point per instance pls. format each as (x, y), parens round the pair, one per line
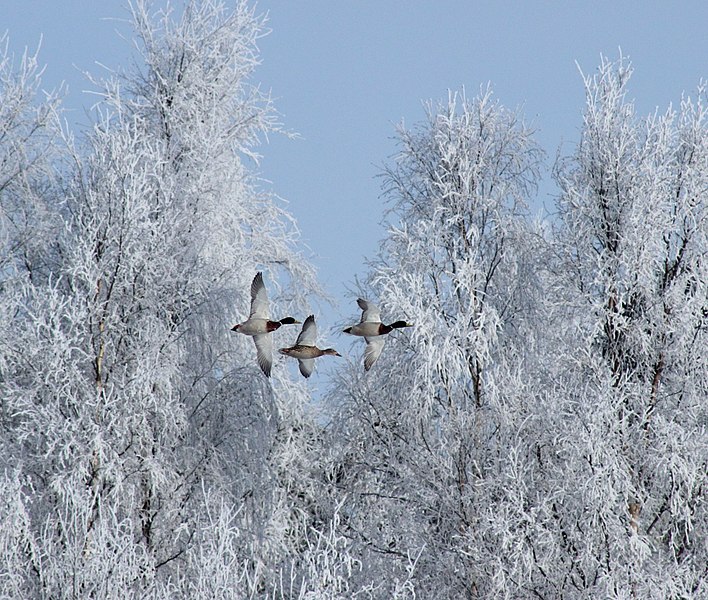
(259, 326)
(305, 350)
(372, 330)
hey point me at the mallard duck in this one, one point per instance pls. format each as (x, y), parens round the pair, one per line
(372, 330)
(305, 350)
(259, 325)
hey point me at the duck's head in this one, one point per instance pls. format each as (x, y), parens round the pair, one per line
(289, 321)
(400, 324)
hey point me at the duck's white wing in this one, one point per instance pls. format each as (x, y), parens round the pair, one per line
(374, 345)
(264, 351)
(307, 365)
(371, 311)
(259, 298)
(308, 335)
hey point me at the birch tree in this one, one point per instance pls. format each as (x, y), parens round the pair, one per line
(632, 245)
(426, 428)
(28, 128)
(148, 450)
(541, 431)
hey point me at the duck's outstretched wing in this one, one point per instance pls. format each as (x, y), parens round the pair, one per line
(307, 365)
(259, 298)
(308, 335)
(374, 346)
(264, 352)
(371, 312)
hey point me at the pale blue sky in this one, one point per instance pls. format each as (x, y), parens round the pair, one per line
(344, 73)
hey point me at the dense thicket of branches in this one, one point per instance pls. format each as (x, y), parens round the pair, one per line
(142, 453)
(539, 433)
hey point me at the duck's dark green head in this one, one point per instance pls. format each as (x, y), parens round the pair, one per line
(289, 321)
(400, 324)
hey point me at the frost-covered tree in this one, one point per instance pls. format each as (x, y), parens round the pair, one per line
(27, 132)
(427, 429)
(28, 129)
(626, 439)
(540, 433)
(142, 448)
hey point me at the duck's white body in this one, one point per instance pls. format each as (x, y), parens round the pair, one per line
(366, 329)
(254, 327)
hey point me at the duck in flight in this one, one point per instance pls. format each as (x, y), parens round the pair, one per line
(373, 331)
(305, 350)
(259, 325)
